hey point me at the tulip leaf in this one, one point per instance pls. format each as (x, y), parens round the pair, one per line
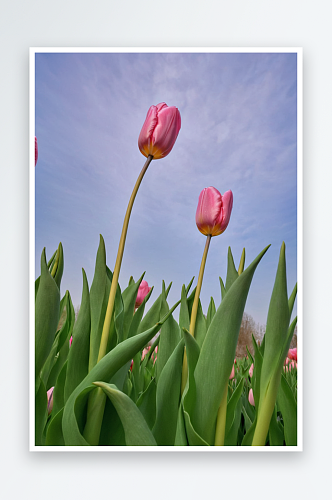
(62, 341)
(222, 288)
(47, 311)
(137, 432)
(189, 285)
(180, 435)
(168, 340)
(193, 437)
(211, 312)
(211, 376)
(168, 398)
(135, 323)
(97, 294)
(78, 357)
(200, 325)
(129, 296)
(184, 310)
(288, 408)
(112, 432)
(147, 403)
(103, 371)
(242, 261)
(54, 436)
(232, 273)
(151, 317)
(233, 415)
(40, 413)
(276, 435)
(58, 393)
(291, 299)
(58, 266)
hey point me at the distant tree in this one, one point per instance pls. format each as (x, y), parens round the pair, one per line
(294, 339)
(247, 329)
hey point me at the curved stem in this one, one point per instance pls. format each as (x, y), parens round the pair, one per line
(111, 299)
(199, 286)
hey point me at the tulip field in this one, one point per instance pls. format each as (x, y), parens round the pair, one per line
(132, 371)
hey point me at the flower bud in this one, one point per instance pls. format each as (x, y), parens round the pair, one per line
(143, 290)
(36, 151)
(251, 370)
(251, 398)
(232, 373)
(160, 130)
(50, 400)
(213, 211)
(70, 341)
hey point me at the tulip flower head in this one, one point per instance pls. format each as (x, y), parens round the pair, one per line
(160, 130)
(143, 290)
(232, 373)
(292, 354)
(36, 151)
(50, 400)
(213, 211)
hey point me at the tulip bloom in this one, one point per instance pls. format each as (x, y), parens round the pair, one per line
(36, 151)
(213, 211)
(143, 290)
(292, 354)
(232, 373)
(251, 370)
(50, 400)
(160, 130)
(251, 398)
(70, 341)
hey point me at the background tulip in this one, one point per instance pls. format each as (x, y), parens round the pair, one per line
(251, 398)
(159, 131)
(143, 290)
(50, 400)
(36, 151)
(292, 354)
(251, 370)
(213, 211)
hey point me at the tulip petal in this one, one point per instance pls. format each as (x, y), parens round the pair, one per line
(165, 131)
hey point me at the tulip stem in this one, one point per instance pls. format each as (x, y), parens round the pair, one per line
(194, 312)
(111, 299)
(199, 286)
(219, 439)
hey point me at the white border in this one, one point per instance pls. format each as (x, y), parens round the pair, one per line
(299, 52)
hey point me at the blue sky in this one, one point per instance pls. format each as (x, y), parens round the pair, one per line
(239, 131)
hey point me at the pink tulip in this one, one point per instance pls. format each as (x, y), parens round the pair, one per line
(213, 211)
(251, 398)
(287, 360)
(232, 374)
(50, 400)
(70, 341)
(292, 353)
(160, 130)
(36, 151)
(145, 352)
(251, 370)
(143, 290)
(131, 365)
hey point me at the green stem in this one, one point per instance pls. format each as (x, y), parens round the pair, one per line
(219, 439)
(199, 286)
(111, 299)
(194, 311)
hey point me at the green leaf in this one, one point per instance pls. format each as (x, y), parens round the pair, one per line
(103, 371)
(137, 432)
(98, 302)
(211, 312)
(129, 296)
(112, 432)
(242, 261)
(62, 344)
(40, 413)
(292, 300)
(184, 311)
(57, 270)
(200, 325)
(232, 274)
(288, 408)
(222, 288)
(168, 340)
(147, 403)
(58, 393)
(47, 310)
(54, 436)
(233, 415)
(276, 435)
(78, 357)
(212, 375)
(134, 326)
(168, 398)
